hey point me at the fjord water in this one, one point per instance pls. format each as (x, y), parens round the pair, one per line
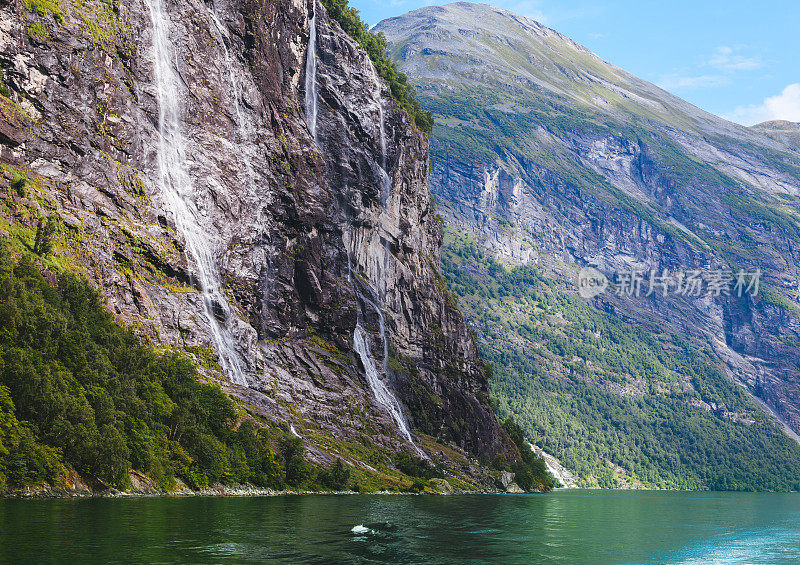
(565, 527)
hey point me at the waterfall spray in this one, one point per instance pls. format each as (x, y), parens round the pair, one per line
(383, 395)
(311, 77)
(236, 88)
(177, 189)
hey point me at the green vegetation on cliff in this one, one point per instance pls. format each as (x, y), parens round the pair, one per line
(615, 403)
(375, 46)
(530, 472)
(78, 390)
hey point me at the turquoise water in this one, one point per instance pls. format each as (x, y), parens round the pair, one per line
(565, 527)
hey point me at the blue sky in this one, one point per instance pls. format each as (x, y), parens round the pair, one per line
(737, 59)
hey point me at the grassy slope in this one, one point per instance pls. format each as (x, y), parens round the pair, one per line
(641, 433)
(627, 401)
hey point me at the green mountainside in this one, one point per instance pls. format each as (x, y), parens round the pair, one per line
(619, 405)
(546, 159)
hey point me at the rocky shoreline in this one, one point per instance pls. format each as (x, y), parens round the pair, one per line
(222, 491)
(143, 487)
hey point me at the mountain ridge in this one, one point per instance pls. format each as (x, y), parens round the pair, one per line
(464, 13)
(557, 161)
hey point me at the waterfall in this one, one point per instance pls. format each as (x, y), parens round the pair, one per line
(361, 346)
(177, 189)
(383, 285)
(236, 89)
(380, 391)
(266, 290)
(311, 76)
(383, 170)
(382, 331)
(385, 184)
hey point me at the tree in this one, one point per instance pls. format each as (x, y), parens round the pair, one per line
(44, 236)
(297, 471)
(22, 460)
(335, 478)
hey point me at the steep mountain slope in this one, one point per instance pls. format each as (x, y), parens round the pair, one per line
(264, 208)
(553, 158)
(781, 130)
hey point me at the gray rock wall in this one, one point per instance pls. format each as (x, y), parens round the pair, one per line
(294, 226)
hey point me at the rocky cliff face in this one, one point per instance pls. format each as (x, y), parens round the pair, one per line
(171, 139)
(556, 158)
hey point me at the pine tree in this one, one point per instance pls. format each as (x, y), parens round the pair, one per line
(44, 236)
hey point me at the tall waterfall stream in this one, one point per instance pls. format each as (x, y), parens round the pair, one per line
(178, 191)
(311, 77)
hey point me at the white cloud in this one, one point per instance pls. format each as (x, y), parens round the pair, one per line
(725, 59)
(531, 9)
(598, 35)
(676, 81)
(784, 106)
(724, 64)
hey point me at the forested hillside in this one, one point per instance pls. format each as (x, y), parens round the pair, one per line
(618, 404)
(77, 389)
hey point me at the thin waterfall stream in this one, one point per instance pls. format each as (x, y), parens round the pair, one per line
(236, 88)
(177, 189)
(311, 77)
(380, 390)
(383, 170)
(382, 393)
